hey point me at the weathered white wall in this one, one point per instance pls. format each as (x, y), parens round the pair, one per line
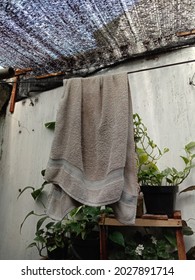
(25, 149)
(163, 98)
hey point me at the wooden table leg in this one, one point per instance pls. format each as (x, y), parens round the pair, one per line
(179, 238)
(103, 243)
(180, 244)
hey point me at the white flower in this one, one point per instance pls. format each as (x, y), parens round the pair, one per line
(154, 240)
(139, 249)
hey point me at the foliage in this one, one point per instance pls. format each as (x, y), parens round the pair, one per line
(52, 234)
(84, 219)
(143, 246)
(50, 125)
(186, 229)
(148, 155)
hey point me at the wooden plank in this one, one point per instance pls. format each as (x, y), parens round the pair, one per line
(139, 222)
(18, 72)
(22, 71)
(177, 215)
(13, 94)
(50, 75)
(155, 217)
(158, 223)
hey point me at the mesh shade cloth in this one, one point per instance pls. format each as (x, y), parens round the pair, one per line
(76, 36)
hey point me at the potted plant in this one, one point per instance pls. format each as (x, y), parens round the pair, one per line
(53, 237)
(83, 227)
(159, 187)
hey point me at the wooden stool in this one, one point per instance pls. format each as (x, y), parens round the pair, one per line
(146, 221)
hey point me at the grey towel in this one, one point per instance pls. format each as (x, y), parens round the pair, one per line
(92, 159)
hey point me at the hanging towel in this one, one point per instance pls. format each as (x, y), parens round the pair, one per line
(93, 159)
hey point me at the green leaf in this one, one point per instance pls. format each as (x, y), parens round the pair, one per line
(166, 150)
(117, 237)
(36, 193)
(40, 222)
(75, 211)
(29, 214)
(40, 238)
(162, 254)
(49, 225)
(169, 181)
(26, 188)
(143, 158)
(174, 170)
(33, 244)
(50, 125)
(190, 167)
(190, 146)
(185, 159)
(170, 237)
(187, 231)
(167, 171)
(191, 188)
(83, 235)
(52, 247)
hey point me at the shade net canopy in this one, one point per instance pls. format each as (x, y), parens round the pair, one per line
(80, 36)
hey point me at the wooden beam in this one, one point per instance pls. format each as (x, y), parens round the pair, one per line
(155, 217)
(13, 94)
(50, 75)
(185, 33)
(139, 222)
(103, 243)
(180, 239)
(18, 72)
(22, 71)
